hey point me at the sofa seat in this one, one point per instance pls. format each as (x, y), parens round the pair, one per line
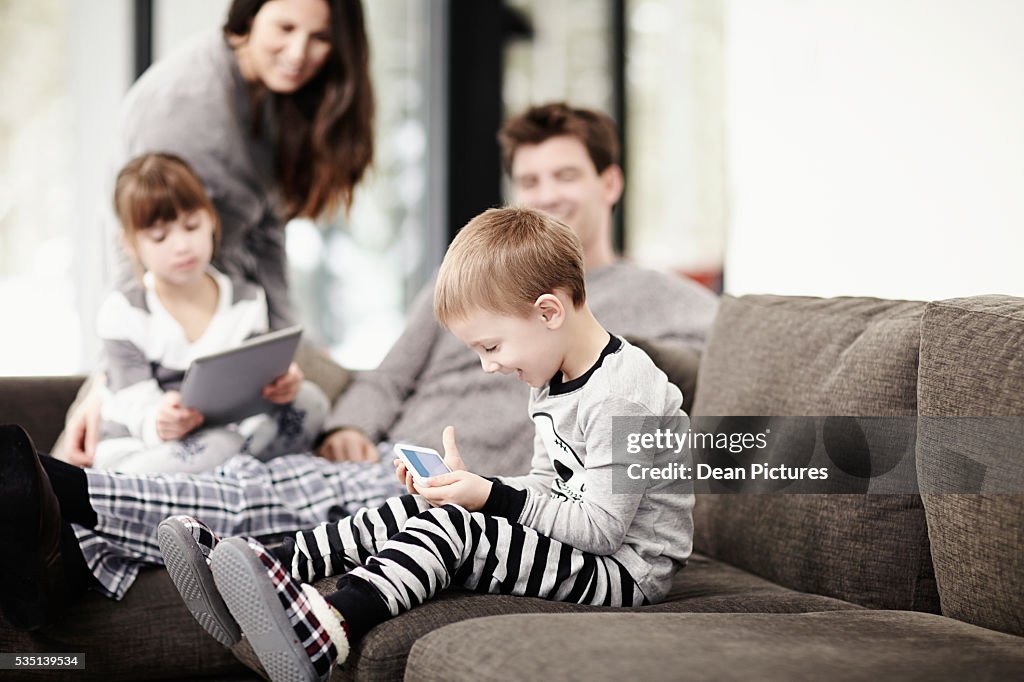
(151, 618)
(852, 646)
(705, 585)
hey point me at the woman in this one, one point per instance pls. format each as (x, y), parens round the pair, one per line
(275, 114)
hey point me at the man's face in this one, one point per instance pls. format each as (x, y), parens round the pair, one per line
(558, 177)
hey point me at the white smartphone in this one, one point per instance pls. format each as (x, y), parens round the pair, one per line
(421, 462)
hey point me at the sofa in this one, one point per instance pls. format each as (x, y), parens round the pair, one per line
(903, 585)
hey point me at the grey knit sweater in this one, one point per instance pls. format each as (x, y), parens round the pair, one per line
(430, 379)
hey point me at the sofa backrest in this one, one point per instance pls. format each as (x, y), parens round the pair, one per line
(972, 365)
(790, 356)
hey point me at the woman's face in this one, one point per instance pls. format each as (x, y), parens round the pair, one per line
(287, 45)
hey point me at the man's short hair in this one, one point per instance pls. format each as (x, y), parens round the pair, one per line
(538, 124)
(503, 260)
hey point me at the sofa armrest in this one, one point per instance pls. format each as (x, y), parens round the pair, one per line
(38, 404)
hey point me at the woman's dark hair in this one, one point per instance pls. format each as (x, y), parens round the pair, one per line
(325, 129)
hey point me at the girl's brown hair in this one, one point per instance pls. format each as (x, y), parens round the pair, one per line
(325, 129)
(159, 187)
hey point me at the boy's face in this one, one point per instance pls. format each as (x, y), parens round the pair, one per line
(177, 251)
(558, 177)
(527, 346)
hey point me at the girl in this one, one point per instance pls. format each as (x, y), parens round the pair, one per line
(275, 114)
(179, 308)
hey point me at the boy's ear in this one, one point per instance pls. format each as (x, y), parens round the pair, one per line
(551, 310)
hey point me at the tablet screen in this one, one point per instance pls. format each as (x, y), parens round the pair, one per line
(426, 465)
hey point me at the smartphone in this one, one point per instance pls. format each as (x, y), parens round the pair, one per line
(421, 462)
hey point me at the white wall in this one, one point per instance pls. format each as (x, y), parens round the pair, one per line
(100, 70)
(176, 21)
(101, 64)
(875, 147)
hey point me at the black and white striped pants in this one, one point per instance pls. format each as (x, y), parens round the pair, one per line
(409, 551)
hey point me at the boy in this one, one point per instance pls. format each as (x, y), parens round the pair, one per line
(510, 288)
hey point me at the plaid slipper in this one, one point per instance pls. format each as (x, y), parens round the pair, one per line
(186, 545)
(295, 633)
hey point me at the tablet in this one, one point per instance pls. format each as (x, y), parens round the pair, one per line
(227, 386)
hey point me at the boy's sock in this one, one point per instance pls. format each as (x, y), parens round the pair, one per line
(71, 486)
(361, 603)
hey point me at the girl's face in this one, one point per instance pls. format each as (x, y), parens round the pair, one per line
(177, 251)
(287, 45)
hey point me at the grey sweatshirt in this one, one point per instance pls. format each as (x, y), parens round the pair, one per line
(430, 379)
(195, 103)
(568, 496)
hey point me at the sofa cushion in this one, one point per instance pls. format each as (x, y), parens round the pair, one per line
(794, 356)
(972, 365)
(147, 635)
(861, 646)
(705, 585)
(38, 405)
(319, 368)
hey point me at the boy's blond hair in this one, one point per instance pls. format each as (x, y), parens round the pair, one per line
(503, 260)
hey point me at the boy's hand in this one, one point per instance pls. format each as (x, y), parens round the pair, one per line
(460, 487)
(451, 458)
(404, 476)
(174, 421)
(463, 488)
(348, 445)
(284, 388)
(451, 452)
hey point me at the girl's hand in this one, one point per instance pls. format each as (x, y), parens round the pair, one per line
(284, 388)
(173, 421)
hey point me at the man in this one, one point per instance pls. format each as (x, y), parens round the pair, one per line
(563, 161)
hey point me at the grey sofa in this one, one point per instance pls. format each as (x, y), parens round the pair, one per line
(844, 587)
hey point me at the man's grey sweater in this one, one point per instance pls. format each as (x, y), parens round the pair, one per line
(429, 379)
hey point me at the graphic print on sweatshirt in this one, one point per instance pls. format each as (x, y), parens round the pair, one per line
(569, 485)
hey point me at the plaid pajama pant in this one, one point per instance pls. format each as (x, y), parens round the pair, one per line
(242, 497)
(409, 551)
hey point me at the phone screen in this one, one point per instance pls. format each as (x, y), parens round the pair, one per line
(425, 464)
